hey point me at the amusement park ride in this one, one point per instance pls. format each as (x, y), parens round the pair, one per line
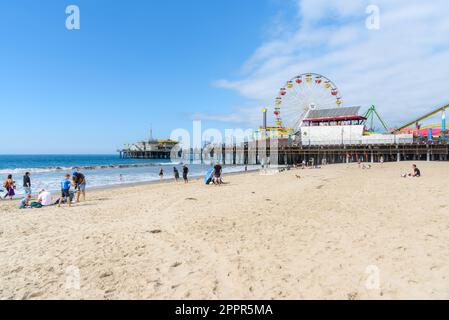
(434, 131)
(305, 93)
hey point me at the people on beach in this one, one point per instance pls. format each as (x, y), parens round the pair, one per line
(185, 172)
(27, 183)
(65, 190)
(176, 174)
(79, 181)
(9, 186)
(416, 173)
(25, 202)
(217, 174)
(161, 173)
(44, 198)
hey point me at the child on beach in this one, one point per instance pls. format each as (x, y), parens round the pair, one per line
(185, 172)
(25, 202)
(217, 174)
(9, 186)
(65, 190)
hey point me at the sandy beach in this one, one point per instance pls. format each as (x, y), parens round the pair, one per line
(259, 236)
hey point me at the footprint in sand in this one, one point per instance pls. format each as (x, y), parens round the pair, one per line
(176, 264)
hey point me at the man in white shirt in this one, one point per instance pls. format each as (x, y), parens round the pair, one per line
(44, 198)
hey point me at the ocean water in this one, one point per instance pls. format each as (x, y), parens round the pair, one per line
(100, 170)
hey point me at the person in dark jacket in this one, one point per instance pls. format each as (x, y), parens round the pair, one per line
(27, 183)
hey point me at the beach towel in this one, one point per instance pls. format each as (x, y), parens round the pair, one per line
(36, 205)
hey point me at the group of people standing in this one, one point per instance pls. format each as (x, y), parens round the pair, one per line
(78, 183)
(185, 173)
(10, 186)
(44, 198)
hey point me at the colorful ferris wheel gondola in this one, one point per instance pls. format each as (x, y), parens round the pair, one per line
(309, 91)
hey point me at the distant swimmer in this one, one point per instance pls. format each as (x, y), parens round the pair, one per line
(161, 173)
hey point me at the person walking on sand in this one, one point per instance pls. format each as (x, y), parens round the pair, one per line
(161, 173)
(9, 186)
(176, 174)
(185, 172)
(27, 183)
(79, 181)
(65, 190)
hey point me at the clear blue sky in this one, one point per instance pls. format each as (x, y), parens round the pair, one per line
(132, 63)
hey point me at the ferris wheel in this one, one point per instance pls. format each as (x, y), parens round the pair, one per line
(300, 95)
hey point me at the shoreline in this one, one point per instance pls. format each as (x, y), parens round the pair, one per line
(136, 184)
(196, 178)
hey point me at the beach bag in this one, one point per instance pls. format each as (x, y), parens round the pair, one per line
(36, 205)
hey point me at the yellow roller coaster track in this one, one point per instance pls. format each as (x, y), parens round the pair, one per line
(422, 118)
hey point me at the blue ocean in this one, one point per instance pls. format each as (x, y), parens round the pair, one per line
(100, 170)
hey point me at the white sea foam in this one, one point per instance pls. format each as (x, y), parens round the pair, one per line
(84, 168)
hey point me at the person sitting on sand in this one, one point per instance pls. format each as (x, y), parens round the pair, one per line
(25, 202)
(44, 198)
(176, 174)
(65, 190)
(185, 172)
(416, 172)
(217, 174)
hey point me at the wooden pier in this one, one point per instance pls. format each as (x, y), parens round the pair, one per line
(153, 149)
(287, 153)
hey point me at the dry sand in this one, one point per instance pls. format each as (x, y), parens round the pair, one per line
(324, 235)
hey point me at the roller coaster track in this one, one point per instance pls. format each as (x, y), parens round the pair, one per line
(422, 118)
